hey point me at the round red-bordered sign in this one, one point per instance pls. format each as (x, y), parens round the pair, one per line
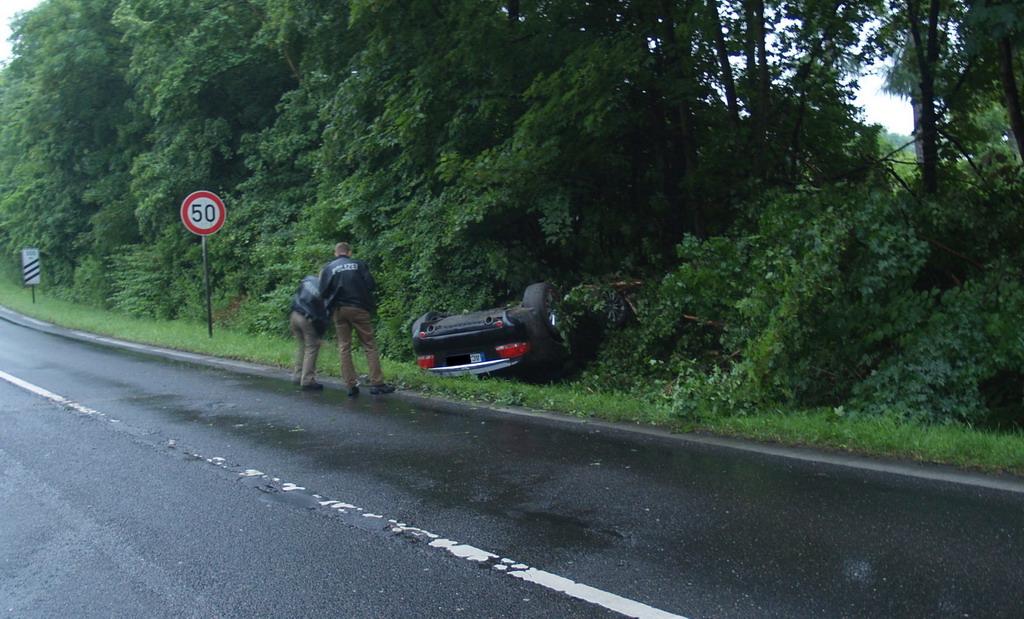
(203, 212)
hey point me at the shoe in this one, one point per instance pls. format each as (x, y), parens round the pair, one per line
(312, 387)
(353, 392)
(381, 389)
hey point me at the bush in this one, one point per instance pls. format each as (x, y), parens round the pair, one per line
(93, 284)
(139, 283)
(845, 301)
(161, 280)
(680, 317)
(963, 362)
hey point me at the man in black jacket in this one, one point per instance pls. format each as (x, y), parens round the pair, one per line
(308, 319)
(347, 289)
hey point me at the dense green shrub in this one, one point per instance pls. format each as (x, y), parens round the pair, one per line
(962, 361)
(160, 280)
(841, 306)
(93, 285)
(681, 316)
(140, 284)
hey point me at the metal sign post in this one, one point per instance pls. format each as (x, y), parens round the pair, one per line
(203, 213)
(30, 269)
(206, 281)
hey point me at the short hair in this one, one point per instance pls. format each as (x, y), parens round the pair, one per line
(341, 248)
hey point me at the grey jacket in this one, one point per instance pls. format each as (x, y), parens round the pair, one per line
(308, 302)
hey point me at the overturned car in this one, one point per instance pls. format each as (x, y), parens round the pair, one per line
(521, 341)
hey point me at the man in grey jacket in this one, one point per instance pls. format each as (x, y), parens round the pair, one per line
(347, 289)
(308, 319)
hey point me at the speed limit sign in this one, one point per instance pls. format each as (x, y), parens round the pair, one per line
(203, 212)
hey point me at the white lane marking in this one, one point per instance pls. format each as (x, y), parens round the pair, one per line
(580, 591)
(85, 410)
(590, 594)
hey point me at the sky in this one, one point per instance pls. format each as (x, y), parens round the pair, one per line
(892, 113)
(7, 10)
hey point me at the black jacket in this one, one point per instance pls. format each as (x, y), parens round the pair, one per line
(347, 282)
(308, 302)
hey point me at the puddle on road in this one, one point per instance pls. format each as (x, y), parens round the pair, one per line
(455, 457)
(574, 488)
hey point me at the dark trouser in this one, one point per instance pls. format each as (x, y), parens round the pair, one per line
(309, 347)
(347, 319)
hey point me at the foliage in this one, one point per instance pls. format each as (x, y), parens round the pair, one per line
(858, 310)
(961, 362)
(702, 159)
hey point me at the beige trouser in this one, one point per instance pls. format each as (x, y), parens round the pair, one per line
(345, 320)
(305, 354)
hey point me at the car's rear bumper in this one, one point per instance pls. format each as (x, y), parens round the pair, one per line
(474, 368)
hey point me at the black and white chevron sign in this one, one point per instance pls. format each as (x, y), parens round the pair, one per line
(30, 266)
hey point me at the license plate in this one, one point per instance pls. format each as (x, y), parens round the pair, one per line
(475, 357)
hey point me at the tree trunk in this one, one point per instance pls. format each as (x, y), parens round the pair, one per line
(723, 62)
(680, 56)
(680, 61)
(927, 50)
(763, 86)
(915, 104)
(1011, 93)
(513, 10)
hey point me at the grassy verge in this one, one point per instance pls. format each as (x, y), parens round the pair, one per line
(953, 445)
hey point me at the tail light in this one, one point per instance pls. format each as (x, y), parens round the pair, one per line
(511, 351)
(426, 361)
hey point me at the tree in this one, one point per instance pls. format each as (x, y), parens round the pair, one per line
(64, 127)
(1002, 23)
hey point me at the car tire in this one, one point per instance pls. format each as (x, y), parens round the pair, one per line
(542, 327)
(616, 308)
(541, 298)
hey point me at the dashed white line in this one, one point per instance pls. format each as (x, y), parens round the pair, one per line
(85, 410)
(467, 552)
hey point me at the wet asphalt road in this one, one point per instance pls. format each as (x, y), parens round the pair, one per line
(174, 488)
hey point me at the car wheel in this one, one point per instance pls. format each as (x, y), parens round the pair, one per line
(616, 308)
(541, 298)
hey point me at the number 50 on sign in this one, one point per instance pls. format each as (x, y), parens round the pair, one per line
(203, 212)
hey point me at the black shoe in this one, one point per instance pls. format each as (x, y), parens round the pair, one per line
(353, 392)
(381, 389)
(312, 387)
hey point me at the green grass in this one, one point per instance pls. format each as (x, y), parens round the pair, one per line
(954, 445)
